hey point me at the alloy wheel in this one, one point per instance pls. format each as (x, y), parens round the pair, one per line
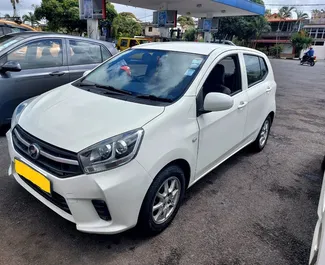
(264, 133)
(166, 200)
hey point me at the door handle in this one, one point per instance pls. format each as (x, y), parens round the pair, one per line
(242, 104)
(268, 90)
(57, 73)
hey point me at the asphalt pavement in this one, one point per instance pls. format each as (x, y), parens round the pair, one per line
(255, 209)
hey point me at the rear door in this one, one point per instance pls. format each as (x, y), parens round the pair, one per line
(84, 55)
(259, 85)
(43, 68)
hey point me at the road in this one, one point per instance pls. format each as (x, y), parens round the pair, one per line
(255, 209)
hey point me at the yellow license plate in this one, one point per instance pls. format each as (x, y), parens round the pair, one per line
(33, 176)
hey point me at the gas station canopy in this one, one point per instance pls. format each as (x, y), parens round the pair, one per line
(200, 8)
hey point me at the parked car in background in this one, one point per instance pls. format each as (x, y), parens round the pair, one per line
(317, 253)
(120, 146)
(227, 42)
(124, 43)
(7, 27)
(32, 63)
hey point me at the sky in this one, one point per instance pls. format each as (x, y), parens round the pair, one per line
(26, 5)
(146, 15)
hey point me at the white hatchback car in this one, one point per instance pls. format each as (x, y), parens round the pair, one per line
(120, 146)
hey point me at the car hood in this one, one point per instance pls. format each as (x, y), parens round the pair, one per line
(73, 119)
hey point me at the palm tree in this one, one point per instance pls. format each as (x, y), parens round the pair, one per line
(14, 2)
(260, 25)
(30, 17)
(301, 15)
(284, 13)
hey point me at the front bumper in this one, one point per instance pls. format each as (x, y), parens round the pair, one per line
(123, 189)
(317, 253)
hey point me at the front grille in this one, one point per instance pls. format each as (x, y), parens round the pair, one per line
(54, 198)
(102, 210)
(57, 161)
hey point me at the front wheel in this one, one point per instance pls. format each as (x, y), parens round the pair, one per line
(261, 140)
(301, 62)
(312, 63)
(162, 200)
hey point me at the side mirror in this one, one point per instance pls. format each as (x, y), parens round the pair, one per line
(11, 66)
(217, 102)
(86, 73)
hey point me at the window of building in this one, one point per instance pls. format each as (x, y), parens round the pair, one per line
(84, 52)
(319, 43)
(256, 69)
(150, 29)
(38, 54)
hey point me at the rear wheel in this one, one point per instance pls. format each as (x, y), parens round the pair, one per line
(162, 200)
(261, 140)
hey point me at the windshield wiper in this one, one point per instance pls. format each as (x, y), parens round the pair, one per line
(155, 98)
(109, 88)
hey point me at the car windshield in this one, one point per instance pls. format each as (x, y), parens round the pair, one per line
(7, 40)
(151, 74)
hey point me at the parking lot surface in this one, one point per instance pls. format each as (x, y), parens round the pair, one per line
(255, 209)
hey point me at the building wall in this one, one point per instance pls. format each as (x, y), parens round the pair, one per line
(317, 32)
(150, 31)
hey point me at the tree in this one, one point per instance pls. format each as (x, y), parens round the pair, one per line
(61, 15)
(14, 3)
(267, 12)
(284, 13)
(30, 17)
(7, 16)
(111, 13)
(301, 41)
(261, 25)
(189, 34)
(126, 26)
(186, 22)
(301, 15)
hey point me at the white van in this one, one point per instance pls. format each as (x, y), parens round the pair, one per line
(120, 146)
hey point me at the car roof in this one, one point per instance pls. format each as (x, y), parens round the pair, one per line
(191, 47)
(32, 34)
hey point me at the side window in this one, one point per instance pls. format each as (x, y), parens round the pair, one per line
(263, 67)
(124, 43)
(225, 77)
(105, 53)
(1, 31)
(256, 69)
(38, 54)
(84, 53)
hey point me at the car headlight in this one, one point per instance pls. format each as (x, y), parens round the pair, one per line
(18, 111)
(113, 152)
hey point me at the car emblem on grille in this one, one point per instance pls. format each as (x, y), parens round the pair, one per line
(34, 151)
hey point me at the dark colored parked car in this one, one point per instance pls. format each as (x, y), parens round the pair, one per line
(32, 63)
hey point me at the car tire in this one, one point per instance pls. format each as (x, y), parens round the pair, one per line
(263, 135)
(323, 164)
(165, 199)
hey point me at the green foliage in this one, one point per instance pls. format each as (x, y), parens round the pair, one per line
(185, 21)
(262, 49)
(61, 15)
(126, 25)
(30, 17)
(301, 41)
(301, 14)
(244, 28)
(276, 50)
(111, 13)
(190, 34)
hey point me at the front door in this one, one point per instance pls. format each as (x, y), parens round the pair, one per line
(222, 132)
(43, 68)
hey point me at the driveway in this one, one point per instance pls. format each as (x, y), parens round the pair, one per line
(255, 209)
